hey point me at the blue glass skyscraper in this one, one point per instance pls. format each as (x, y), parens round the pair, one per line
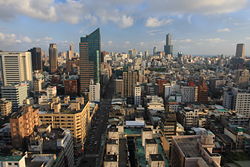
(89, 48)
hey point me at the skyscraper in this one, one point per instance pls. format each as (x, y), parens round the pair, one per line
(70, 52)
(168, 48)
(53, 57)
(240, 51)
(89, 48)
(36, 56)
(15, 67)
(130, 79)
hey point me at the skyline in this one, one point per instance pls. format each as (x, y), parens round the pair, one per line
(208, 27)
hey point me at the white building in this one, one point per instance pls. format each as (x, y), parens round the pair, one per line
(12, 161)
(189, 94)
(137, 96)
(94, 92)
(15, 67)
(243, 104)
(51, 92)
(15, 93)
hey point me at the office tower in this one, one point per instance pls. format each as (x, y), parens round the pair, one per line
(51, 92)
(94, 91)
(168, 48)
(154, 51)
(137, 96)
(242, 105)
(5, 107)
(53, 57)
(89, 47)
(75, 118)
(15, 67)
(132, 53)
(22, 124)
(240, 51)
(194, 150)
(189, 94)
(168, 124)
(161, 83)
(70, 52)
(130, 79)
(37, 85)
(119, 88)
(36, 55)
(203, 93)
(15, 93)
(242, 78)
(70, 87)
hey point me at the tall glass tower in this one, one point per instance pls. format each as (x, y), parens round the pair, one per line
(168, 48)
(89, 48)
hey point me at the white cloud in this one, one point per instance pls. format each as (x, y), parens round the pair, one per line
(224, 30)
(247, 38)
(198, 6)
(127, 42)
(155, 22)
(185, 40)
(110, 43)
(213, 40)
(26, 39)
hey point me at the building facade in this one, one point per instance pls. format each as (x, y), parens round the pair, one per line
(53, 57)
(22, 124)
(15, 67)
(36, 56)
(89, 48)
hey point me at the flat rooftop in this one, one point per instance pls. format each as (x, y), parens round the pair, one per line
(156, 157)
(110, 158)
(189, 146)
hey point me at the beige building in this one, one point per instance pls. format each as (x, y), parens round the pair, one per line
(110, 161)
(156, 160)
(194, 151)
(130, 79)
(15, 67)
(75, 118)
(22, 124)
(119, 88)
(5, 107)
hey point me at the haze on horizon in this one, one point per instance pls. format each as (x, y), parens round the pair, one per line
(204, 27)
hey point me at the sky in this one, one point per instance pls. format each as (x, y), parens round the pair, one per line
(199, 27)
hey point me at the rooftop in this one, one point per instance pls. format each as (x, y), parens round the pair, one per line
(156, 157)
(110, 158)
(10, 158)
(189, 146)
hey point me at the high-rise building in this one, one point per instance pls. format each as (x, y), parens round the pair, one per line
(89, 47)
(5, 107)
(129, 82)
(240, 51)
(242, 78)
(70, 87)
(137, 96)
(53, 57)
(242, 105)
(22, 124)
(94, 91)
(36, 55)
(203, 93)
(119, 88)
(168, 48)
(189, 94)
(194, 150)
(15, 93)
(75, 118)
(70, 52)
(51, 92)
(154, 51)
(15, 67)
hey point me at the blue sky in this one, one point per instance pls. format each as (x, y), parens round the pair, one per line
(198, 26)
